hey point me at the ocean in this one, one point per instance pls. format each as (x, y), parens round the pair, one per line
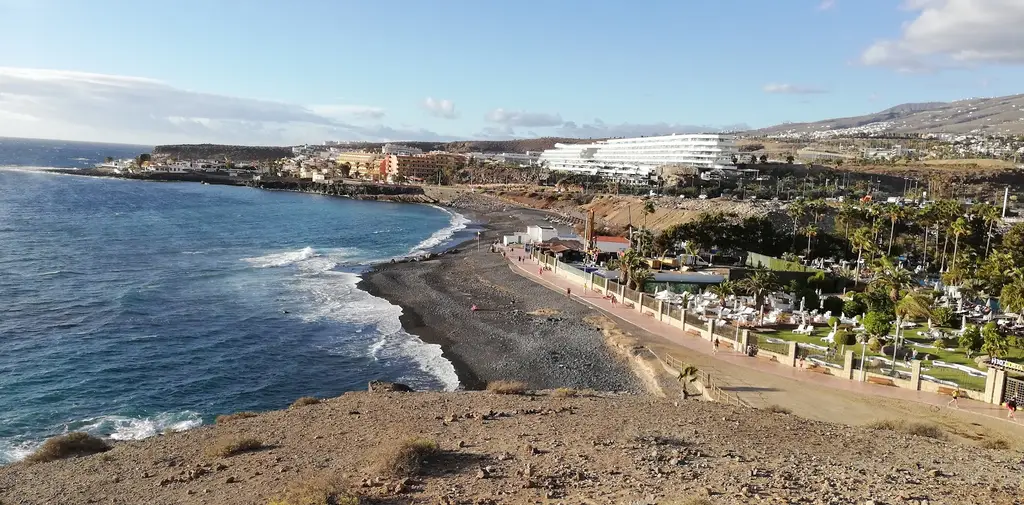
(130, 308)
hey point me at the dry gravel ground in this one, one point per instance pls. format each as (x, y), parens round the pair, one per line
(532, 449)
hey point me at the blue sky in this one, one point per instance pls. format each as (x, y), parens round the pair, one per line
(261, 71)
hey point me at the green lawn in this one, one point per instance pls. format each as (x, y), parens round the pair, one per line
(941, 373)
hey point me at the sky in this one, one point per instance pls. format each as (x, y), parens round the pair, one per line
(304, 71)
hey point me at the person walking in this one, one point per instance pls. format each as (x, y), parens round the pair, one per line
(1011, 406)
(568, 292)
(956, 398)
(716, 344)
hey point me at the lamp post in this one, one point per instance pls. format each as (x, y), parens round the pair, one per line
(477, 241)
(863, 358)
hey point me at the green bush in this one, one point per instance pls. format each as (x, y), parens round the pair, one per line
(970, 339)
(854, 307)
(877, 324)
(835, 305)
(844, 337)
(943, 316)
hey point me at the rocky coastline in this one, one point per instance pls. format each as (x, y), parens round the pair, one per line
(354, 190)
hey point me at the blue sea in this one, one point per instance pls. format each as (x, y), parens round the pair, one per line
(128, 308)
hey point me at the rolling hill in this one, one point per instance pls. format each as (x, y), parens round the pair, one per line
(989, 116)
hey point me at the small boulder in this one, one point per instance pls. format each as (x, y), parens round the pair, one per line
(388, 387)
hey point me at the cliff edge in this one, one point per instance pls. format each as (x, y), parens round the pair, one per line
(550, 447)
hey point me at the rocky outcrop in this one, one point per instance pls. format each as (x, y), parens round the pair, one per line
(388, 387)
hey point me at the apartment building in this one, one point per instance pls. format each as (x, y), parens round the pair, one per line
(421, 167)
(364, 165)
(636, 159)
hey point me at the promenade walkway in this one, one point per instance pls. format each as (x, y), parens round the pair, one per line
(758, 382)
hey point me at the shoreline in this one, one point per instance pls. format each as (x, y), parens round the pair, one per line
(521, 331)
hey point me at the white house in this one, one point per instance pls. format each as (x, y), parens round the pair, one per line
(608, 244)
(539, 234)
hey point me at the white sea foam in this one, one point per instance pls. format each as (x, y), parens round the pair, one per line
(136, 428)
(455, 224)
(333, 295)
(12, 450)
(113, 427)
(282, 259)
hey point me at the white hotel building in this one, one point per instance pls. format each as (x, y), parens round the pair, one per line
(635, 159)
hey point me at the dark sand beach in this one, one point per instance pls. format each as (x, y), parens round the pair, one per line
(522, 331)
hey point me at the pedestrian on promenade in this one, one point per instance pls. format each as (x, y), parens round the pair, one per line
(540, 271)
(956, 398)
(568, 292)
(716, 344)
(1011, 405)
(614, 301)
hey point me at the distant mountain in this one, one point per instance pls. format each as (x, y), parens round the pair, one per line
(992, 116)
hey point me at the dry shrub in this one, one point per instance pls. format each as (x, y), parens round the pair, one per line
(227, 418)
(73, 444)
(925, 430)
(995, 443)
(406, 458)
(316, 491)
(917, 429)
(506, 387)
(305, 400)
(778, 409)
(230, 446)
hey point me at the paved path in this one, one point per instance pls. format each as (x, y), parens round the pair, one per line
(749, 378)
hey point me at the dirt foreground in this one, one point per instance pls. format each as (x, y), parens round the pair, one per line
(538, 448)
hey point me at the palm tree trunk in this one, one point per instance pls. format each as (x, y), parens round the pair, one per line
(988, 239)
(956, 244)
(925, 260)
(856, 275)
(944, 244)
(808, 246)
(892, 230)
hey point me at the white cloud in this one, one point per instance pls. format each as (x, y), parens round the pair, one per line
(349, 111)
(600, 129)
(792, 89)
(826, 5)
(85, 106)
(949, 33)
(523, 118)
(440, 108)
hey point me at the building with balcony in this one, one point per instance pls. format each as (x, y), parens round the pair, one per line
(637, 159)
(420, 167)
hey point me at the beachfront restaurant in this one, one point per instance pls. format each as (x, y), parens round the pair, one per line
(567, 251)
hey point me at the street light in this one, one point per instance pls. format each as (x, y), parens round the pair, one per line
(863, 358)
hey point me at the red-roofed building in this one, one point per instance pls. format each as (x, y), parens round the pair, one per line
(607, 244)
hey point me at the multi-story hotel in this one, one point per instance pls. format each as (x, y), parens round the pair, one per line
(636, 159)
(420, 167)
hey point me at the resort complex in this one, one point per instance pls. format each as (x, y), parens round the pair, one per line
(637, 159)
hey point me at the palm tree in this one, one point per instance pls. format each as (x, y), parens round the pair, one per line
(811, 231)
(892, 279)
(895, 213)
(991, 215)
(846, 215)
(797, 210)
(1011, 298)
(958, 228)
(723, 291)
(759, 284)
(639, 277)
(648, 209)
(630, 262)
(790, 159)
(861, 240)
